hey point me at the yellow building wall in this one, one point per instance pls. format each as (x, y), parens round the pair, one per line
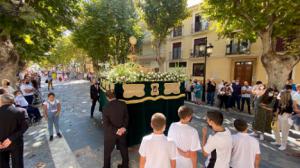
(219, 65)
(296, 74)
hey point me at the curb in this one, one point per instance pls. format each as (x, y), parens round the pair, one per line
(216, 108)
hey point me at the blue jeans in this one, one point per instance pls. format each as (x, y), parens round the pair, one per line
(210, 98)
(53, 120)
(247, 100)
(296, 119)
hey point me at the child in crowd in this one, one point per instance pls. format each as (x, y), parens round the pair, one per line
(218, 146)
(33, 113)
(52, 109)
(186, 139)
(20, 100)
(156, 150)
(245, 152)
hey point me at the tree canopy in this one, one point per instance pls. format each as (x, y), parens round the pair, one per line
(268, 20)
(104, 30)
(33, 26)
(162, 15)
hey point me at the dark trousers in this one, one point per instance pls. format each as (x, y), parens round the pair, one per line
(29, 99)
(247, 100)
(33, 112)
(210, 98)
(188, 96)
(236, 101)
(50, 84)
(223, 101)
(15, 154)
(94, 101)
(109, 144)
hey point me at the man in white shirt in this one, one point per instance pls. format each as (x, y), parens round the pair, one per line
(27, 91)
(218, 146)
(186, 139)
(156, 150)
(245, 151)
(246, 96)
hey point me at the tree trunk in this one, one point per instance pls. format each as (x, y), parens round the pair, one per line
(95, 65)
(159, 59)
(9, 60)
(277, 66)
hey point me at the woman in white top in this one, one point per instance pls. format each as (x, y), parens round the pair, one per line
(6, 86)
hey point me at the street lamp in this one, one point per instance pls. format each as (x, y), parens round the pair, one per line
(207, 50)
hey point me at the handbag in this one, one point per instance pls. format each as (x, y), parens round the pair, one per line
(46, 81)
(274, 125)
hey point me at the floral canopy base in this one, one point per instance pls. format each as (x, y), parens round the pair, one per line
(145, 93)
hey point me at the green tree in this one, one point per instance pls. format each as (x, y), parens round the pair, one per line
(28, 29)
(66, 52)
(266, 20)
(104, 30)
(160, 16)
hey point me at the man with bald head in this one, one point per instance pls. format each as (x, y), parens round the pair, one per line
(12, 127)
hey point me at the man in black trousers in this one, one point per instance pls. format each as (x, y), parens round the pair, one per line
(115, 121)
(12, 127)
(94, 92)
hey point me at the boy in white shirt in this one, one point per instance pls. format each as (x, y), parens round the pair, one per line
(20, 99)
(156, 150)
(218, 146)
(186, 139)
(245, 151)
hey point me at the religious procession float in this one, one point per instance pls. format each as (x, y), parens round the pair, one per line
(145, 93)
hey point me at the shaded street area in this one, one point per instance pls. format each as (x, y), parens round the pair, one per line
(82, 142)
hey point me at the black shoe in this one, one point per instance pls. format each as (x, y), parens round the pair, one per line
(59, 135)
(51, 138)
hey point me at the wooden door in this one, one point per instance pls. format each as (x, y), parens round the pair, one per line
(243, 71)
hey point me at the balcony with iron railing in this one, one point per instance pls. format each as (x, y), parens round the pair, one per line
(196, 53)
(239, 48)
(176, 33)
(177, 55)
(199, 27)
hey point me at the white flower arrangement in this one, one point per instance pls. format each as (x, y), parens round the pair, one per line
(131, 73)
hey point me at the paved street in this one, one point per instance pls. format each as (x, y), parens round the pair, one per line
(82, 142)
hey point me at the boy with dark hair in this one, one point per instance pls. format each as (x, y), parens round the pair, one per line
(219, 145)
(186, 139)
(156, 150)
(245, 151)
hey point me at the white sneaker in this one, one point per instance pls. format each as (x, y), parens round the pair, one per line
(282, 148)
(261, 137)
(275, 143)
